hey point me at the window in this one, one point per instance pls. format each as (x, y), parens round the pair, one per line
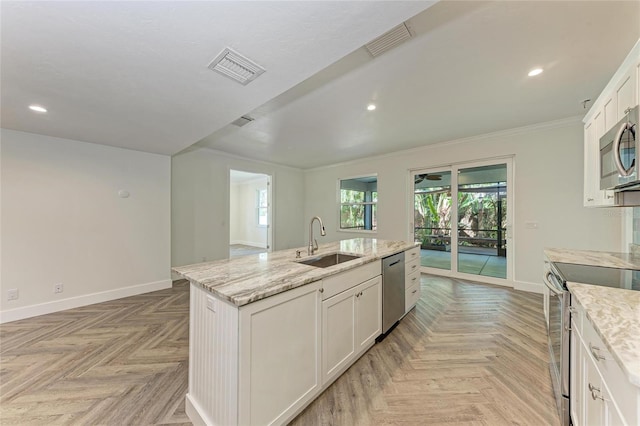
(261, 207)
(358, 203)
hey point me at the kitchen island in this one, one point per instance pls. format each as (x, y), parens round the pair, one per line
(269, 333)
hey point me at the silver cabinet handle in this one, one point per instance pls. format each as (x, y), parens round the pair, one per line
(414, 279)
(414, 291)
(595, 393)
(590, 199)
(609, 196)
(595, 352)
(414, 266)
(321, 290)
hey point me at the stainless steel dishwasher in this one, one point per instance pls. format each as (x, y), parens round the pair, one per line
(392, 290)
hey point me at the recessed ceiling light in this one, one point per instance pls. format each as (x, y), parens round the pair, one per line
(535, 71)
(37, 108)
(371, 107)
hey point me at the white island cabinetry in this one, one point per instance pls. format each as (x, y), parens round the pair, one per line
(256, 364)
(351, 318)
(269, 333)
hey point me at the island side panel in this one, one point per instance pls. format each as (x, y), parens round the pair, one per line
(213, 359)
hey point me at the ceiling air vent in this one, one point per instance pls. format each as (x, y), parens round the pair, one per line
(389, 40)
(242, 121)
(235, 66)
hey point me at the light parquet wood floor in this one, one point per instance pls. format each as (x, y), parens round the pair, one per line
(468, 354)
(122, 362)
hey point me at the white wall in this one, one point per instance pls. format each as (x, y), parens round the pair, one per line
(63, 222)
(200, 206)
(548, 174)
(243, 220)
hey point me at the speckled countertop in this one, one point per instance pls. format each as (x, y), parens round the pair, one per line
(246, 279)
(595, 258)
(613, 312)
(615, 315)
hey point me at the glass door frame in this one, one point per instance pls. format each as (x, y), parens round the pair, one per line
(454, 169)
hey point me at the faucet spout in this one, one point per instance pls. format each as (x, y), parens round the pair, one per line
(313, 244)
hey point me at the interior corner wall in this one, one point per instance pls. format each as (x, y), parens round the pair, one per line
(548, 189)
(63, 222)
(200, 204)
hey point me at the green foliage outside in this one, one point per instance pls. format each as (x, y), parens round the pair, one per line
(477, 215)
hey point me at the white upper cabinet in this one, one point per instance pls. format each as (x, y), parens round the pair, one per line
(621, 93)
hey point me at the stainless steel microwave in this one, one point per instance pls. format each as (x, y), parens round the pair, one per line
(618, 150)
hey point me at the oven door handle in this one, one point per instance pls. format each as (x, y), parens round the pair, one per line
(547, 281)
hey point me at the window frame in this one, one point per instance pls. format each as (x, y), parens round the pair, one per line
(373, 205)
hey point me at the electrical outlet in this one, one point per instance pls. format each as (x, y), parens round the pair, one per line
(12, 294)
(57, 288)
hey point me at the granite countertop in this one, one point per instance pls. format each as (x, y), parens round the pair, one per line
(615, 316)
(613, 312)
(246, 279)
(595, 258)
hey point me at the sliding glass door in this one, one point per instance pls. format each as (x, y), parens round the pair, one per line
(460, 218)
(432, 217)
(482, 212)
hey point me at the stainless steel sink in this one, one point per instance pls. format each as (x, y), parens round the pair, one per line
(328, 260)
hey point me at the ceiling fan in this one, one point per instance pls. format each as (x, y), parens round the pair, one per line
(427, 176)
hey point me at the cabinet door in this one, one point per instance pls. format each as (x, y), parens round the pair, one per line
(338, 333)
(590, 165)
(368, 313)
(625, 94)
(577, 378)
(594, 413)
(279, 355)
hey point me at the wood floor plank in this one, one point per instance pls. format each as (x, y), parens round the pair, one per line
(468, 354)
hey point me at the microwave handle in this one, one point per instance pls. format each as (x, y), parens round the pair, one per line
(616, 148)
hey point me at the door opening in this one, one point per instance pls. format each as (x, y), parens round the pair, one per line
(250, 207)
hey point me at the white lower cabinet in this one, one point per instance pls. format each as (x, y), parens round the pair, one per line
(411, 278)
(351, 321)
(279, 353)
(600, 392)
(262, 363)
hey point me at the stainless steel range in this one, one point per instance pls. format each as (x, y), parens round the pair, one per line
(559, 305)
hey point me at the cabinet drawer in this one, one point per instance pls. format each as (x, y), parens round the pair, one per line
(625, 395)
(412, 254)
(412, 279)
(411, 267)
(411, 296)
(345, 280)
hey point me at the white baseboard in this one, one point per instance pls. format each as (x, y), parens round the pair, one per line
(249, 243)
(195, 413)
(84, 300)
(529, 287)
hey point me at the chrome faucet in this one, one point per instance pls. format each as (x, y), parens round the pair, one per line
(313, 244)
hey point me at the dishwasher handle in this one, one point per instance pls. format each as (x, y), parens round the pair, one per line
(396, 262)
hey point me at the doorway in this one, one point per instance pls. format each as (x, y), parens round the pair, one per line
(250, 207)
(461, 217)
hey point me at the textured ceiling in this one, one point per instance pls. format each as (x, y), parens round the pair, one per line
(463, 74)
(134, 74)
